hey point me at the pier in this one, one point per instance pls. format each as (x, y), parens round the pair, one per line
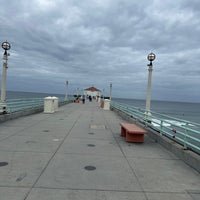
(78, 153)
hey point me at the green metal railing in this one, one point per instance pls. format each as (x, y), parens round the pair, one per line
(183, 132)
(14, 105)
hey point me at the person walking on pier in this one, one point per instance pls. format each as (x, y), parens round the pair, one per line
(83, 99)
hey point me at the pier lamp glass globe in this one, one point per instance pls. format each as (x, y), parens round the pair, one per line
(151, 57)
(6, 45)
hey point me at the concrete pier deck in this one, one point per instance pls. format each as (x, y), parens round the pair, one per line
(77, 153)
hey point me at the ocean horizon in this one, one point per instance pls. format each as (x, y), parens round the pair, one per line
(24, 94)
(183, 110)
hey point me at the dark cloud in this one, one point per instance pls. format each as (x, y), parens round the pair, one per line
(102, 41)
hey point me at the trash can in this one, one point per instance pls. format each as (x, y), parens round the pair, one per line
(55, 102)
(106, 104)
(48, 105)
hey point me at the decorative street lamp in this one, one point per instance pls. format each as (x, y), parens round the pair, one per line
(66, 95)
(151, 57)
(77, 92)
(110, 91)
(6, 46)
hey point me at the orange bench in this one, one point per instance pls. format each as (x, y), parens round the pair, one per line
(132, 132)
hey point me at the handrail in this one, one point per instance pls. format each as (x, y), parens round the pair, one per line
(14, 105)
(183, 132)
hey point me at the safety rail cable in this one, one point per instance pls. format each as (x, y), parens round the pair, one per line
(184, 132)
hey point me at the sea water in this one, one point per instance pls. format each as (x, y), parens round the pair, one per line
(22, 95)
(182, 110)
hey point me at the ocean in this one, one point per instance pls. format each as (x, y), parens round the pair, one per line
(181, 110)
(21, 95)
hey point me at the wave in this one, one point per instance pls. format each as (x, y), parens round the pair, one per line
(168, 123)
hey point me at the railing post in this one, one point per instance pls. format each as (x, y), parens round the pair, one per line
(146, 120)
(185, 137)
(161, 127)
(127, 110)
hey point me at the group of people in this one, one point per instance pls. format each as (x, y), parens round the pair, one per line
(83, 98)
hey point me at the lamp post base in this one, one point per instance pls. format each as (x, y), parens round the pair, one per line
(3, 107)
(148, 116)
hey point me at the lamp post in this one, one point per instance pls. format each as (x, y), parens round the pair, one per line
(6, 46)
(151, 57)
(66, 95)
(110, 91)
(77, 92)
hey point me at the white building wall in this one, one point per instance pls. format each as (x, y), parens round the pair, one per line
(92, 93)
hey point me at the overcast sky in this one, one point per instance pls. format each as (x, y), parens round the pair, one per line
(95, 42)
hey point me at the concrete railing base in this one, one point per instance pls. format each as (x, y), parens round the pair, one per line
(18, 114)
(22, 113)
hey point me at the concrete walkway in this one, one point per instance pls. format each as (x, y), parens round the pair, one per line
(78, 154)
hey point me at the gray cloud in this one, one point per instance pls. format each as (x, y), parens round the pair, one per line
(102, 41)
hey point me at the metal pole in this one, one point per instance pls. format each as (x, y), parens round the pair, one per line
(77, 92)
(151, 57)
(110, 91)
(66, 95)
(148, 97)
(3, 84)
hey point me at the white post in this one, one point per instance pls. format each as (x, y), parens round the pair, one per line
(66, 95)
(110, 91)
(77, 92)
(148, 97)
(99, 97)
(148, 117)
(3, 84)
